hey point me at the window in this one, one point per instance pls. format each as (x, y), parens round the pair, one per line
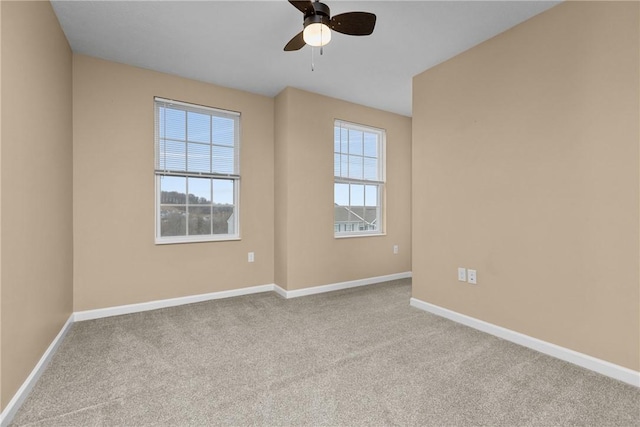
(197, 172)
(358, 189)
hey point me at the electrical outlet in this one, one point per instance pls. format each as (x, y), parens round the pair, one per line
(462, 274)
(471, 277)
(251, 257)
(395, 249)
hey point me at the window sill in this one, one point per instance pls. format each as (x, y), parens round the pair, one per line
(350, 236)
(208, 239)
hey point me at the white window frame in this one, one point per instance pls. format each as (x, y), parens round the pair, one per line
(381, 184)
(161, 240)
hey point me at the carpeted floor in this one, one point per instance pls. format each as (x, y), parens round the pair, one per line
(355, 357)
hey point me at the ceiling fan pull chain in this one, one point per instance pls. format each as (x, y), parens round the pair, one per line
(312, 65)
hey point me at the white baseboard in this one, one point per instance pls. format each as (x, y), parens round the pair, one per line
(172, 302)
(278, 290)
(338, 286)
(600, 366)
(14, 404)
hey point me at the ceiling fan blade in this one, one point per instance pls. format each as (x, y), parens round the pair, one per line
(302, 6)
(296, 43)
(354, 23)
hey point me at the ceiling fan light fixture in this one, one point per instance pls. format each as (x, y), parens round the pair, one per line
(317, 34)
(316, 30)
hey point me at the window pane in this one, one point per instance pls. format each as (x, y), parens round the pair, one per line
(173, 220)
(336, 139)
(341, 194)
(199, 191)
(199, 127)
(199, 158)
(160, 155)
(223, 219)
(223, 193)
(175, 121)
(336, 165)
(371, 169)
(344, 166)
(160, 118)
(199, 220)
(231, 222)
(344, 140)
(172, 155)
(357, 217)
(173, 190)
(355, 167)
(371, 195)
(223, 131)
(355, 142)
(370, 144)
(223, 160)
(374, 225)
(357, 195)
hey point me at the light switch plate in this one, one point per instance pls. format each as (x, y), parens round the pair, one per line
(462, 274)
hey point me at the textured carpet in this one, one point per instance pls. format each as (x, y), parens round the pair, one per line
(355, 357)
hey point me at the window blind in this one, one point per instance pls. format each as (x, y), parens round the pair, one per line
(356, 154)
(196, 141)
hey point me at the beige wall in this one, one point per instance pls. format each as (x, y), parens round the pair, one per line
(525, 167)
(308, 254)
(35, 191)
(116, 261)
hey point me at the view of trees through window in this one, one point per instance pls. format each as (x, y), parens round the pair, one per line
(203, 216)
(196, 206)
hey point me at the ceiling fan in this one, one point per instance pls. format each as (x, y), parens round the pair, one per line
(318, 24)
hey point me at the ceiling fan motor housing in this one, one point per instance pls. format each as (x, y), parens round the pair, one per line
(319, 9)
(319, 14)
(316, 19)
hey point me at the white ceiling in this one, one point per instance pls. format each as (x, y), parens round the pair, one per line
(239, 44)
